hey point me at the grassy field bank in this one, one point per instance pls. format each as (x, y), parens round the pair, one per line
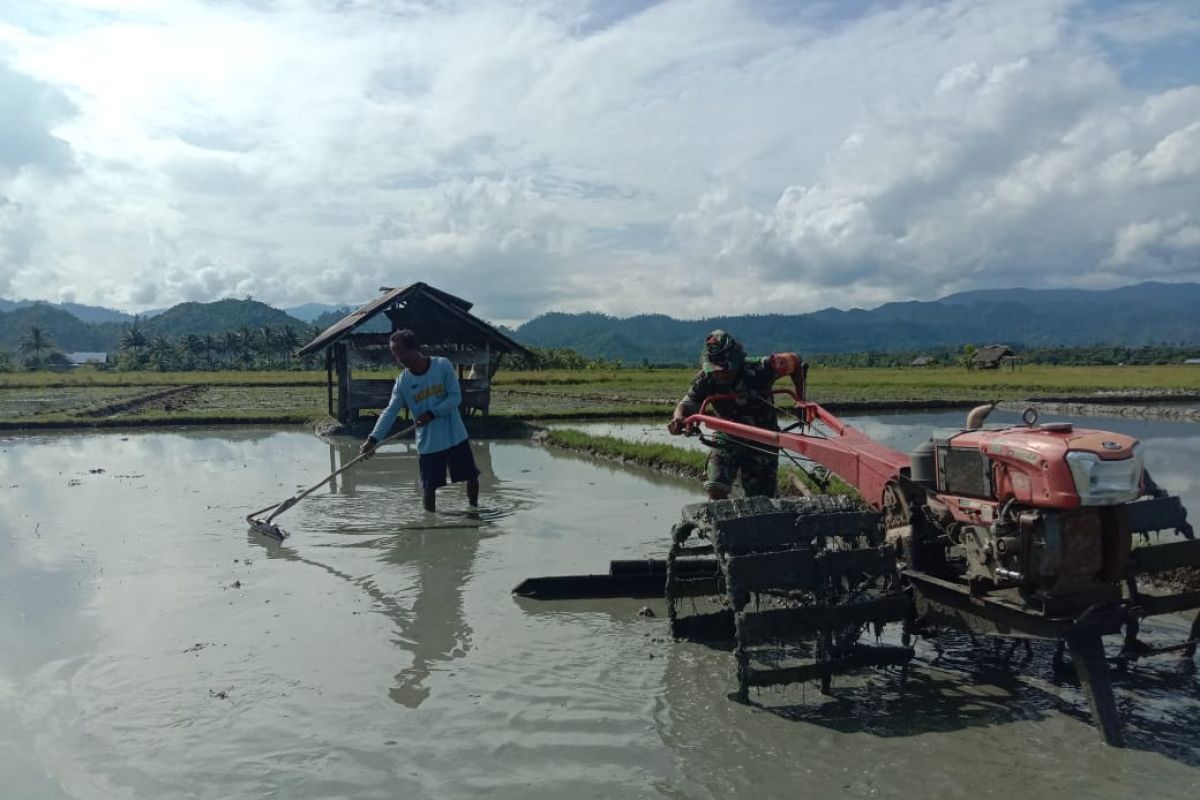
(90, 397)
(669, 458)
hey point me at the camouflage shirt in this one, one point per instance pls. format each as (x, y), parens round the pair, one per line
(754, 404)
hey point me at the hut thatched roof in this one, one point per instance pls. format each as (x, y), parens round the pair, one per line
(436, 316)
(993, 353)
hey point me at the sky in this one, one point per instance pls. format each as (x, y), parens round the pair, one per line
(691, 157)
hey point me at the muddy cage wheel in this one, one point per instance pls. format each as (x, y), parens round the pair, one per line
(800, 580)
(896, 509)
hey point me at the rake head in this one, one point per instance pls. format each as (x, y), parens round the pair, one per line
(265, 528)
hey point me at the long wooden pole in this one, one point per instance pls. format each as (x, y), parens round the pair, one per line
(291, 501)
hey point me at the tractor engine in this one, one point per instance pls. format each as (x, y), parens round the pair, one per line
(1041, 507)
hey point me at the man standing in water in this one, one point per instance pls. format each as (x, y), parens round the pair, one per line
(429, 389)
(726, 370)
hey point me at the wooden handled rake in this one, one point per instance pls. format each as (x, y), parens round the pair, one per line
(268, 528)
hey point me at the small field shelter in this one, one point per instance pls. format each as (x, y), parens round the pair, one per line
(443, 324)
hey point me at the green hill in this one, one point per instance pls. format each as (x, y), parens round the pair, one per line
(217, 317)
(71, 333)
(68, 331)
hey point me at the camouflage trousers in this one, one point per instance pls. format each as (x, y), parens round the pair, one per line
(758, 470)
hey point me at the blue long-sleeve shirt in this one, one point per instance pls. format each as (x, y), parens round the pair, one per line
(435, 390)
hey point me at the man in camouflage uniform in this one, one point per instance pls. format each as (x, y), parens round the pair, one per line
(726, 370)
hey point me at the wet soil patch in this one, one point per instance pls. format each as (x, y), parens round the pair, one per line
(173, 399)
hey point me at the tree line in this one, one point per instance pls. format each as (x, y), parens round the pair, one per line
(568, 359)
(269, 347)
(243, 348)
(1093, 355)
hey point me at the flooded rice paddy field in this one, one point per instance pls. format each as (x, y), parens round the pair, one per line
(106, 402)
(151, 647)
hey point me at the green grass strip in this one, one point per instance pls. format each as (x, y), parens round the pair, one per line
(670, 458)
(636, 411)
(657, 456)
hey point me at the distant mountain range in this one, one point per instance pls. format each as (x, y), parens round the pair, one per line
(310, 312)
(1148, 313)
(70, 333)
(305, 313)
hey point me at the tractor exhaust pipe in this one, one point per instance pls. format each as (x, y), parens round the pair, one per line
(977, 415)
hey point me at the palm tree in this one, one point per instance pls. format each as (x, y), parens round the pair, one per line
(193, 346)
(162, 353)
(133, 340)
(268, 338)
(313, 360)
(229, 344)
(289, 341)
(36, 342)
(245, 345)
(211, 345)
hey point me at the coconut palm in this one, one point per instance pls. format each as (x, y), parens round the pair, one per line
(211, 346)
(193, 346)
(312, 360)
(268, 343)
(245, 346)
(229, 344)
(289, 342)
(35, 343)
(133, 342)
(163, 353)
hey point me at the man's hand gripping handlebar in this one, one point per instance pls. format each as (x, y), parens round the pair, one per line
(690, 425)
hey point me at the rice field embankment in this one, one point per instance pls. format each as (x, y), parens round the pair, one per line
(90, 398)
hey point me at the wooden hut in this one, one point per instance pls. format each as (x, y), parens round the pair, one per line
(992, 356)
(443, 325)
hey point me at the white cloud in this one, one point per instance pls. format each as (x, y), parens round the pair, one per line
(692, 157)
(1168, 245)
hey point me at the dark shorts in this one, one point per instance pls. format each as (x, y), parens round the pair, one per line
(757, 470)
(457, 459)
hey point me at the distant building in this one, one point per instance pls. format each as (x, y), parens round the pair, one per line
(992, 356)
(921, 361)
(79, 359)
(1193, 361)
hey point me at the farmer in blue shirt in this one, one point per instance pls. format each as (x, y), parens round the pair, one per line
(428, 388)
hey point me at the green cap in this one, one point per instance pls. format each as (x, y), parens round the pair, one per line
(721, 352)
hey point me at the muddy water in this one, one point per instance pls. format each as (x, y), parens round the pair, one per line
(150, 647)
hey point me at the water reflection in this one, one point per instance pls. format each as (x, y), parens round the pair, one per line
(968, 706)
(434, 552)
